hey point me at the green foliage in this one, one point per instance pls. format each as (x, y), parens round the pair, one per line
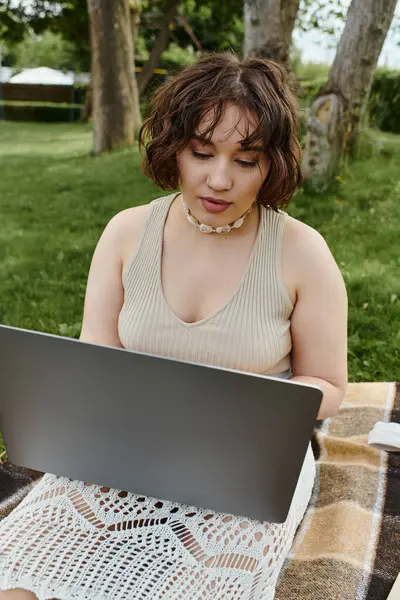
(360, 219)
(7, 53)
(70, 19)
(218, 25)
(311, 71)
(310, 89)
(46, 50)
(370, 146)
(141, 52)
(384, 102)
(55, 214)
(12, 22)
(175, 57)
(311, 78)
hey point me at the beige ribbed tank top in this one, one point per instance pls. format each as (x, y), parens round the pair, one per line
(251, 332)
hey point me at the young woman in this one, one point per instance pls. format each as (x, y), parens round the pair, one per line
(217, 274)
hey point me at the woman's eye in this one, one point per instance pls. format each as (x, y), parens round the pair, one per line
(200, 155)
(247, 164)
(243, 163)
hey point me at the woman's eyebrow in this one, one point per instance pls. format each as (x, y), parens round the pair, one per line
(243, 147)
(202, 140)
(252, 149)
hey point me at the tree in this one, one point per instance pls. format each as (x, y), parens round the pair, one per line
(46, 50)
(68, 18)
(12, 21)
(268, 28)
(161, 43)
(336, 115)
(218, 25)
(135, 9)
(112, 69)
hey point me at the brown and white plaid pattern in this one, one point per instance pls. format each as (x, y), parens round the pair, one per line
(348, 545)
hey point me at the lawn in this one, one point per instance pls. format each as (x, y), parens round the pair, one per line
(55, 200)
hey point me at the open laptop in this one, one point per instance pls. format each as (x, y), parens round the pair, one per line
(208, 437)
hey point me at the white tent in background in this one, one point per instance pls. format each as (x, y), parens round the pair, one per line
(43, 76)
(5, 74)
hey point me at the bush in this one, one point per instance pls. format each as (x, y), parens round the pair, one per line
(384, 102)
(311, 71)
(43, 113)
(309, 89)
(175, 58)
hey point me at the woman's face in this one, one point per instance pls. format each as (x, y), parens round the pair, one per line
(220, 180)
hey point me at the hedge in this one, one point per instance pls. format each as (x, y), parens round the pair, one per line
(49, 113)
(384, 102)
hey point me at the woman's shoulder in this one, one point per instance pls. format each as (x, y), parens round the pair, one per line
(306, 257)
(301, 237)
(126, 228)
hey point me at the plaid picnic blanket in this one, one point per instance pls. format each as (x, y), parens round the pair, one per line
(348, 545)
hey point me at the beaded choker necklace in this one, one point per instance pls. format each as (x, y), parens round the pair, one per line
(223, 230)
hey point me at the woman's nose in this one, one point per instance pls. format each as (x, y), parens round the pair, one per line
(219, 177)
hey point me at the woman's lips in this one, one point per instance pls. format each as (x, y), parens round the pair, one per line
(215, 206)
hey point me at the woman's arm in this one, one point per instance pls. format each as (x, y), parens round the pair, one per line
(104, 292)
(333, 395)
(319, 320)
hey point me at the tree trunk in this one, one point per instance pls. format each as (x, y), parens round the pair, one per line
(336, 115)
(86, 111)
(112, 74)
(135, 8)
(182, 21)
(160, 45)
(268, 28)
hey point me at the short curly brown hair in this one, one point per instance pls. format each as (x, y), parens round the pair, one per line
(256, 85)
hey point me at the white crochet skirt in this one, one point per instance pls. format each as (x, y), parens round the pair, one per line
(75, 541)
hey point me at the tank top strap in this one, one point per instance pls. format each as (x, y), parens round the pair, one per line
(267, 274)
(154, 227)
(148, 251)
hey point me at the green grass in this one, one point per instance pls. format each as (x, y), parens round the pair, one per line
(55, 199)
(36, 103)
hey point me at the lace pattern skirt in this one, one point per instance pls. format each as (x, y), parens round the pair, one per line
(75, 541)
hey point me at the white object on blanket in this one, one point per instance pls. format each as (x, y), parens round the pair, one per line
(395, 591)
(385, 436)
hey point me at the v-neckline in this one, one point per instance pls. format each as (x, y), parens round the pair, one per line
(235, 293)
